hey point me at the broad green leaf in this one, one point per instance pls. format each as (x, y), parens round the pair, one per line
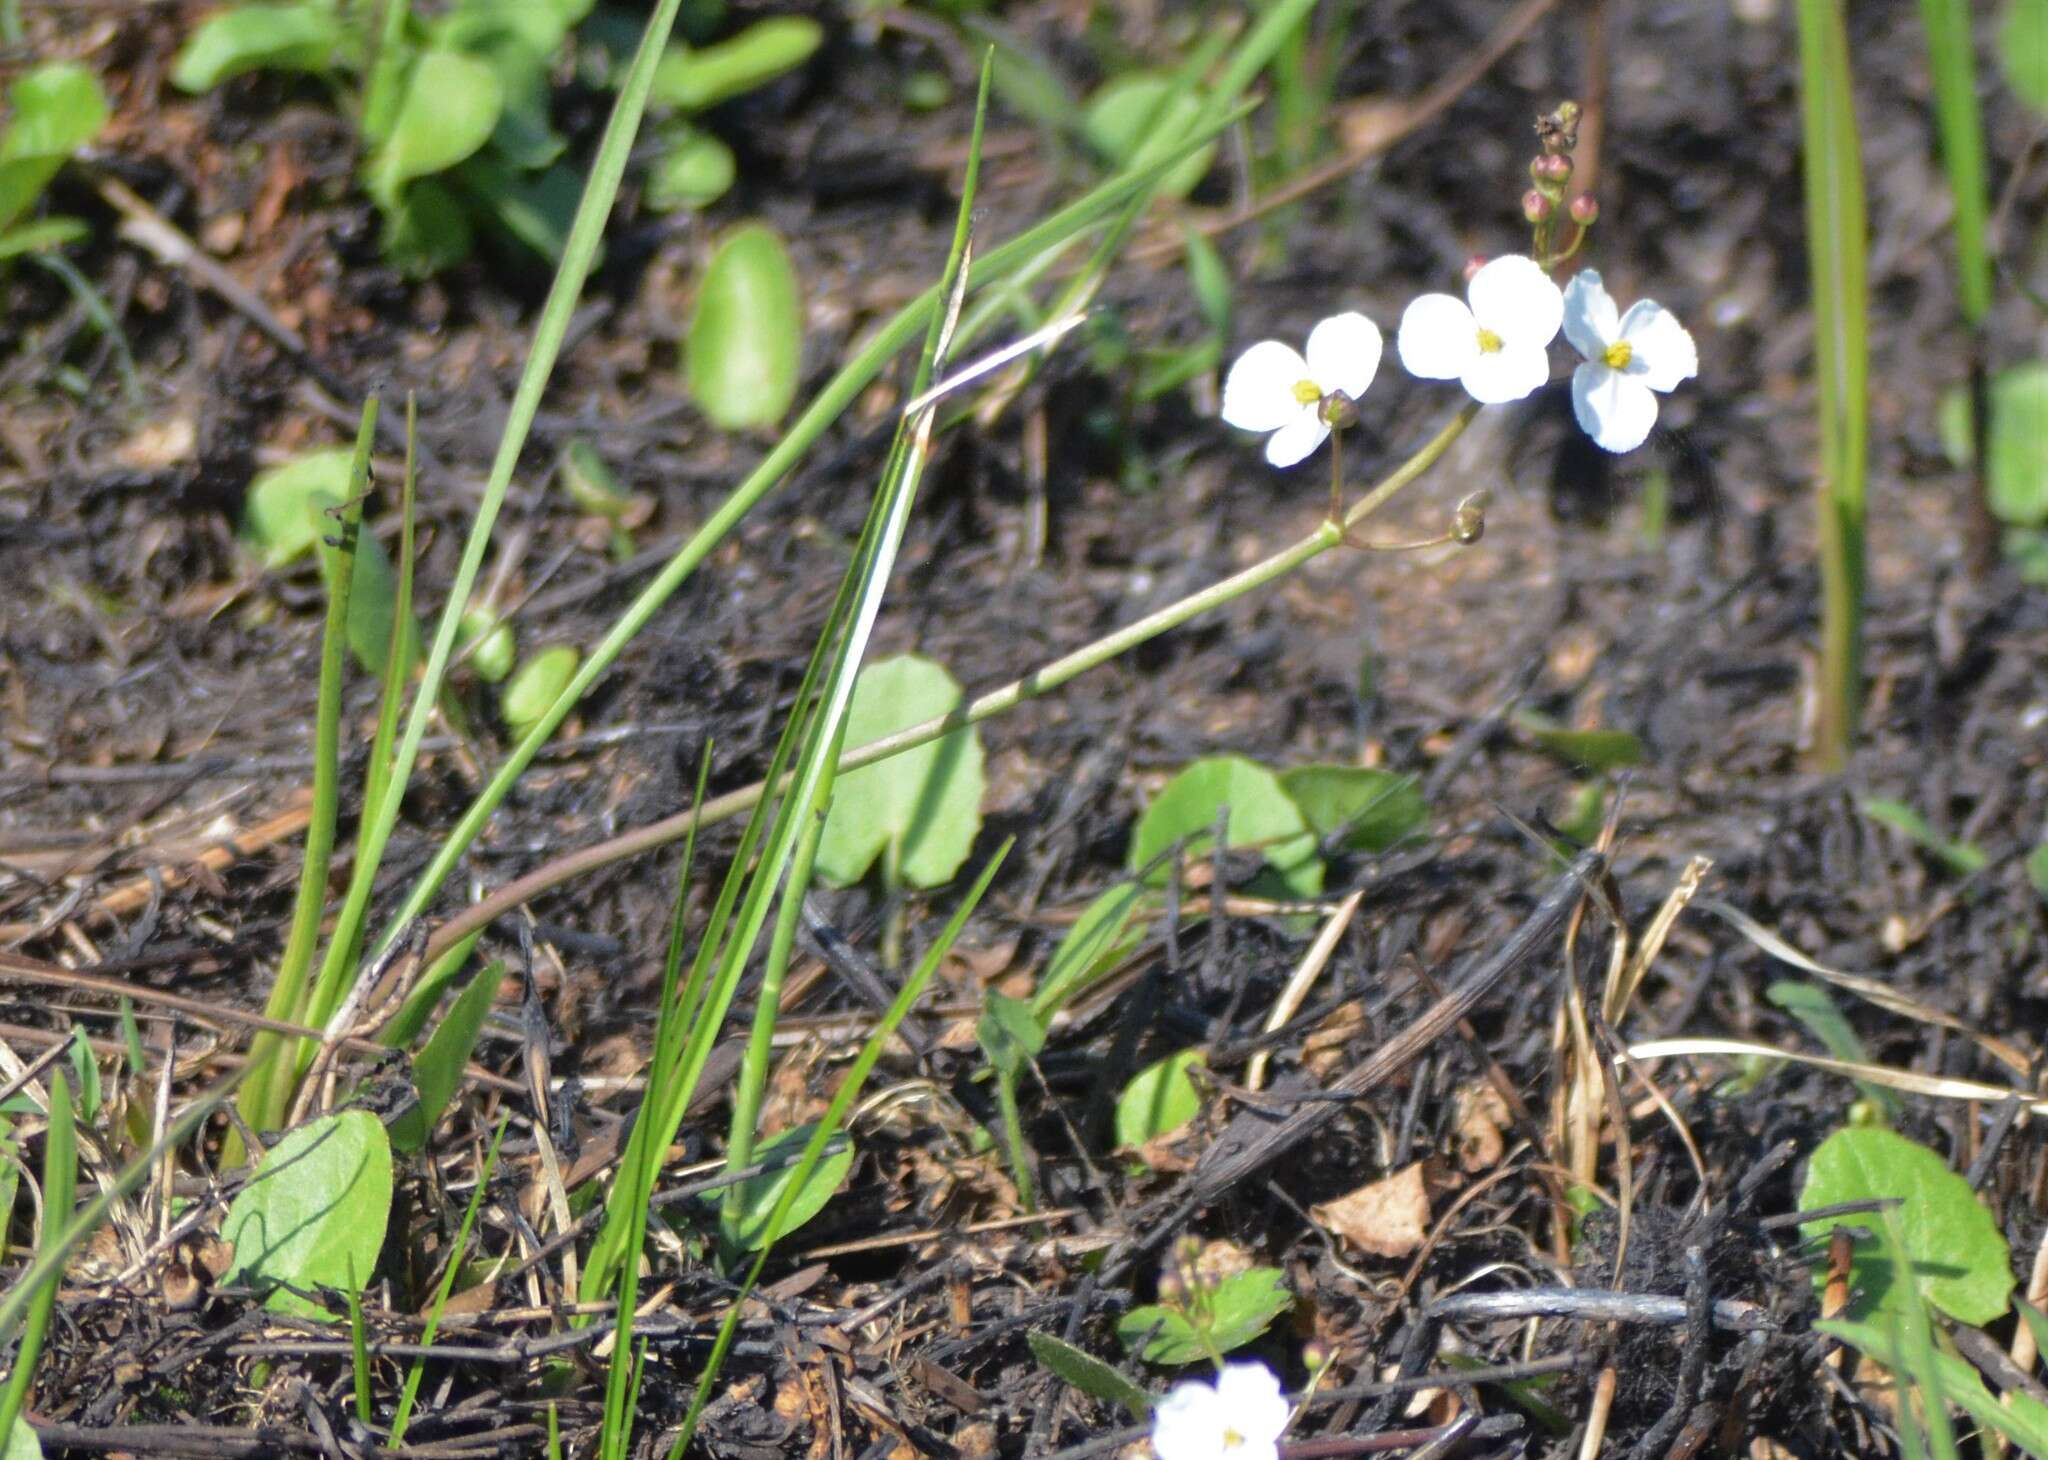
(533, 209)
(426, 230)
(54, 110)
(1959, 1258)
(307, 37)
(1600, 750)
(691, 80)
(1161, 1098)
(495, 651)
(437, 1072)
(1262, 816)
(589, 482)
(528, 693)
(22, 1443)
(449, 109)
(1242, 1308)
(748, 1227)
(746, 337)
(921, 810)
(1961, 858)
(284, 513)
(1100, 939)
(1372, 809)
(1008, 1034)
(314, 1211)
(1087, 1373)
(2023, 50)
(2017, 484)
(694, 169)
(1130, 121)
(2024, 1424)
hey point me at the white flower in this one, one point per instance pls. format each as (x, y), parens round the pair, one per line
(1239, 1417)
(1627, 357)
(1271, 388)
(1497, 345)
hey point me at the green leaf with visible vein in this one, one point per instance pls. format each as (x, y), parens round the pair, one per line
(313, 1215)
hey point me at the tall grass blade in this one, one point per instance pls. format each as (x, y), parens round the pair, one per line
(1952, 63)
(60, 1177)
(1836, 244)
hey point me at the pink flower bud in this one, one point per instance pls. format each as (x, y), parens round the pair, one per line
(1535, 207)
(1585, 209)
(1473, 265)
(1553, 168)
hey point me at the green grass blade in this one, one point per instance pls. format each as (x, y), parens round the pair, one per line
(1836, 244)
(397, 668)
(829, 1125)
(1952, 63)
(60, 1176)
(268, 1092)
(447, 1285)
(585, 232)
(826, 407)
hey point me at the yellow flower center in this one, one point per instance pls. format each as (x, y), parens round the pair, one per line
(1307, 392)
(1232, 1440)
(1618, 354)
(1489, 342)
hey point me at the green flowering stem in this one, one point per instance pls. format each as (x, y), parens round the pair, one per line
(1327, 535)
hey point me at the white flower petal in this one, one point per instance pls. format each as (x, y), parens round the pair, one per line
(1509, 373)
(1615, 409)
(1188, 1423)
(1298, 439)
(1514, 298)
(1344, 353)
(1258, 394)
(1664, 353)
(1249, 1394)
(1438, 337)
(1591, 321)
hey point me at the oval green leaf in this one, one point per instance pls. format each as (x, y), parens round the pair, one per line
(691, 80)
(538, 683)
(747, 1230)
(1130, 121)
(1599, 750)
(1368, 810)
(693, 170)
(923, 806)
(22, 1443)
(449, 109)
(1160, 1099)
(1959, 1258)
(56, 110)
(2023, 50)
(1262, 816)
(259, 38)
(745, 342)
(1242, 1307)
(282, 516)
(495, 650)
(1087, 1373)
(437, 1072)
(313, 1214)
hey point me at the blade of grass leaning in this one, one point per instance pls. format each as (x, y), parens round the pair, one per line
(825, 408)
(828, 1127)
(268, 1091)
(1951, 61)
(377, 775)
(585, 233)
(446, 1286)
(1836, 244)
(808, 738)
(60, 1176)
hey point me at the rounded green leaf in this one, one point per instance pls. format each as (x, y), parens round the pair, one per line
(1241, 1308)
(746, 337)
(259, 38)
(495, 651)
(283, 514)
(925, 804)
(449, 109)
(313, 1214)
(2023, 50)
(1371, 810)
(692, 79)
(1129, 120)
(22, 1443)
(1262, 816)
(426, 230)
(693, 170)
(1087, 1373)
(55, 109)
(758, 1195)
(1959, 1258)
(2018, 485)
(1161, 1098)
(539, 682)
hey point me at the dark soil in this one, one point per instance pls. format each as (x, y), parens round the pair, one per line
(156, 699)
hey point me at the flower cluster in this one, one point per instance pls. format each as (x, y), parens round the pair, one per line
(1495, 342)
(1239, 1417)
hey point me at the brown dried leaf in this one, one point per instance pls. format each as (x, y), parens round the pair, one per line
(1387, 1218)
(1481, 1116)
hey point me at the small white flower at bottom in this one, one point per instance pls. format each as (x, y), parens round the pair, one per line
(1239, 1417)
(1498, 345)
(1272, 388)
(1628, 357)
